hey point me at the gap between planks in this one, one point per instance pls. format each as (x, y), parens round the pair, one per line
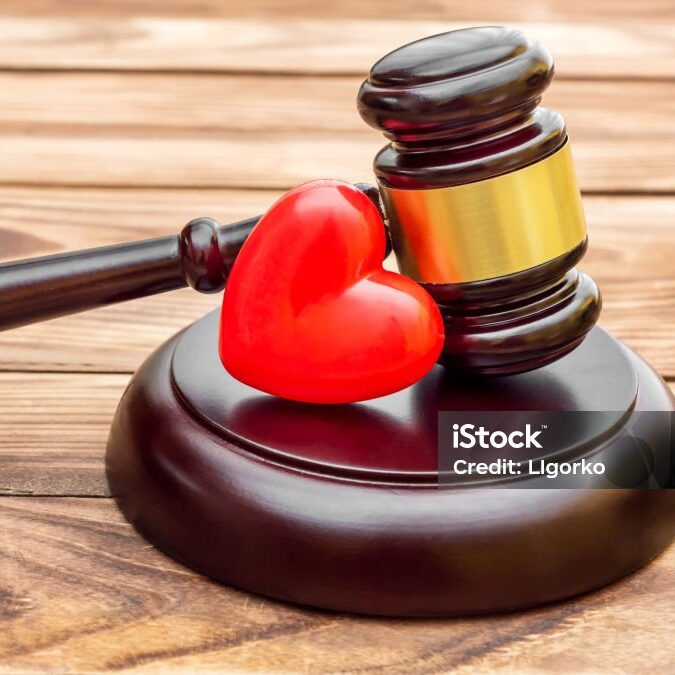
(292, 74)
(296, 41)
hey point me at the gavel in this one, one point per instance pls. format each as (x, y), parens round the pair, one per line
(478, 190)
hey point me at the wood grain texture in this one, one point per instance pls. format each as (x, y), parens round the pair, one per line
(632, 244)
(300, 39)
(260, 94)
(114, 339)
(130, 129)
(158, 104)
(488, 11)
(81, 592)
(53, 432)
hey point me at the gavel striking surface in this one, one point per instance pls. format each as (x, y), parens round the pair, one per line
(338, 506)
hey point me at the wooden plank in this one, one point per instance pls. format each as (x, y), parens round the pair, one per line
(118, 339)
(302, 42)
(278, 160)
(115, 129)
(81, 592)
(490, 11)
(632, 244)
(165, 104)
(43, 220)
(53, 432)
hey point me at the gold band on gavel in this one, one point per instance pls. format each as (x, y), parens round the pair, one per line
(490, 228)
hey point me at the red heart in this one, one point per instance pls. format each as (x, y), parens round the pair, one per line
(309, 314)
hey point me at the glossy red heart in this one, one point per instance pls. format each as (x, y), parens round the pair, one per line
(310, 315)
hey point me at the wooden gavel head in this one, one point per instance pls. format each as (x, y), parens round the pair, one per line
(479, 190)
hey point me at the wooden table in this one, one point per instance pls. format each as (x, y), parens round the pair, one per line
(122, 120)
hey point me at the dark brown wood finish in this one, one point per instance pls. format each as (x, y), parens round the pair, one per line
(51, 286)
(462, 107)
(519, 322)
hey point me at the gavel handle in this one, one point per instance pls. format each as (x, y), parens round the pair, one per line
(44, 288)
(201, 256)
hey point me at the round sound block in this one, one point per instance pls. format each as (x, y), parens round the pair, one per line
(340, 506)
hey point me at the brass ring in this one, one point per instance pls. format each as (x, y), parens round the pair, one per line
(490, 228)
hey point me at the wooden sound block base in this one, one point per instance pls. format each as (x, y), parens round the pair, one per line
(339, 506)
